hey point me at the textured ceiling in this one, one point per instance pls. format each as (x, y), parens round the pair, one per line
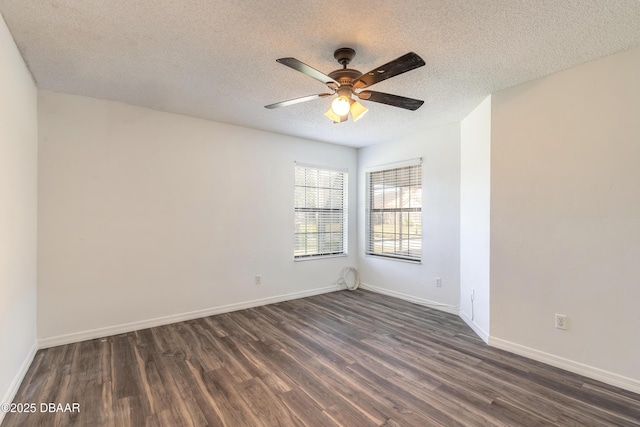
(216, 59)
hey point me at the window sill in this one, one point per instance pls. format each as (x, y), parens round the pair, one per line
(311, 258)
(409, 261)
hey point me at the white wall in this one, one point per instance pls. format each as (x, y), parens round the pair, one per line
(440, 151)
(18, 210)
(145, 215)
(565, 218)
(475, 193)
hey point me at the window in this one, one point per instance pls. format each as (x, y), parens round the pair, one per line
(394, 213)
(320, 212)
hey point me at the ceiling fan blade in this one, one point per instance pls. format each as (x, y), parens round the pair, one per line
(309, 71)
(400, 65)
(389, 99)
(297, 100)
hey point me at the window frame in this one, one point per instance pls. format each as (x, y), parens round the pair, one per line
(377, 174)
(321, 211)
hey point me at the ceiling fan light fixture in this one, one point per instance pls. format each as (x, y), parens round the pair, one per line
(341, 105)
(357, 110)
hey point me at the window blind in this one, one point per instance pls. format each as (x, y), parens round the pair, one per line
(394, 213)
(320, 212)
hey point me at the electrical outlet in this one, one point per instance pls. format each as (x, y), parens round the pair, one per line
(438, 282)
(561, 321)
(258, 279)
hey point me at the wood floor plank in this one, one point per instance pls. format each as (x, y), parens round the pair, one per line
(344, 414)
(234, 410)
(266, 405)
(338, 359)
(124, 368)
(516, 416)
(335, 377)
(306, 409)
(393, 391)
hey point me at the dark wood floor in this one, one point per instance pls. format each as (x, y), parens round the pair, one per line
(346, 358)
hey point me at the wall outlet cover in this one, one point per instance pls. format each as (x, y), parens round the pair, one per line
(561, 321)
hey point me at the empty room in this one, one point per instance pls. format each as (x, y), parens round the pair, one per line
(317, 213)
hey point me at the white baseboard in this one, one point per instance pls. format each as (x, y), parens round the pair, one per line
(432, 304)
(17, 380)
(568, 365)
(484, 335)
(174, 318)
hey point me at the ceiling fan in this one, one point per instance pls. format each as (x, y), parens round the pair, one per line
(347, 82)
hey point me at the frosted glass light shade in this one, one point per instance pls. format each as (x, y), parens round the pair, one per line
(358, 110)
(341, 105)
(334, 117)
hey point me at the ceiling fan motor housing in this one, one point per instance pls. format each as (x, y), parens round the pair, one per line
(345, 76)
